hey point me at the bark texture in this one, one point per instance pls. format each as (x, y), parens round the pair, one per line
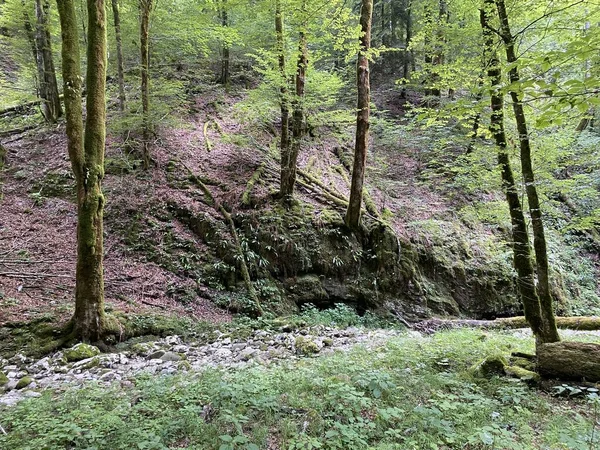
(361, 145)
(224, 78)
(569, 361)
(47, 84)
(289, 165)
(145, 8)
(549, 332)
(87, 160)
(120, 70)
(521, 246)
(283, 91)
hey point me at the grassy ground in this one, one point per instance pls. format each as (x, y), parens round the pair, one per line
(414, 393)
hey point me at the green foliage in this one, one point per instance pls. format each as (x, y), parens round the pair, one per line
(397, 396)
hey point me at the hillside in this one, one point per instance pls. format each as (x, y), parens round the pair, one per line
(169, 250)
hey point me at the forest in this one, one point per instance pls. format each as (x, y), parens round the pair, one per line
(299, 224)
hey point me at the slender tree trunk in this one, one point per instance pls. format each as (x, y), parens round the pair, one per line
(362, 118)
(521, 246)
(31, 38)
(87, 159)
(283, 93)
(550, 333)
(224, 79)
(120, 71)
(288, 174)
(408, 55)
(145, 7)
(47, 84)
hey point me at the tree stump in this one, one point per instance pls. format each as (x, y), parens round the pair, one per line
(569, 361)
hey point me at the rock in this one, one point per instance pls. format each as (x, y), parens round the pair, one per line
(490, 366)
(528, 376)
(3, 379)
(108, 376)
(41, 365)
(173, 340)
(31, 394)
(157, 355)
(181, 349)
(171, 356)
(81, 351)
(304, 346)
(247, 353)
(223, 353)
(86, 364)
(327, 342)
(142, 348)
(226, 341)
(238, 347)
(24, 382)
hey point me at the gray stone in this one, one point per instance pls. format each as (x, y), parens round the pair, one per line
(171, 356)
(156, 355)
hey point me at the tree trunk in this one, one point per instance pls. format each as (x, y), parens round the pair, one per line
(283, 92)
(47, 84)
(408, 55)
(569, 361)
(521, 246)
(145, 7)
(87, 159)
(362, 118)
(288, 173)
(549, 332)
(120, 71)
(224, 79)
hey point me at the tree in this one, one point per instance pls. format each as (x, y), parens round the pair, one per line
(224, 78)
(47, 85)
(120, 70)
(549, 333)
(87, 159)
(289, 165)
(521, 246)
(145, 8)
(283, 91)
(361, 145)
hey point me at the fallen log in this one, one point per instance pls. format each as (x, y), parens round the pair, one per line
(569, 361)
(584, 323)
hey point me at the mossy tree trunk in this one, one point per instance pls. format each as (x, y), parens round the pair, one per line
(289, 165)
(120, 69)
(569, 361)
(47, 84)
(87, 159)
(361, 145)
(549, 332)
(224, 78)
(145, 8)
(521, 246)
(283, 91)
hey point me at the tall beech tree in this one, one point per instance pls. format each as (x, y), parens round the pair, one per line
(46, 74)
(120, 69)
(361, 145)
(87, 159)
(283, 91)
(145, 8)
(290, 162)
(549, 332)
(521, 246)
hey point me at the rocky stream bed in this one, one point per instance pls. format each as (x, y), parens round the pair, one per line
(22, 377)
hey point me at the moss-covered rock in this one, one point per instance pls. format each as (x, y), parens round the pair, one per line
(80, 352)
(24, 382)
(528, 376)
(3, 379)
(305, 346)
(490, 366)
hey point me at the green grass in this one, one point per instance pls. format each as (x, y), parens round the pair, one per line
(410, 394)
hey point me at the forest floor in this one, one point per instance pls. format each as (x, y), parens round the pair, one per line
(303, 388)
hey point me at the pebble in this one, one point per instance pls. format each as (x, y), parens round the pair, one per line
(165, 356)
